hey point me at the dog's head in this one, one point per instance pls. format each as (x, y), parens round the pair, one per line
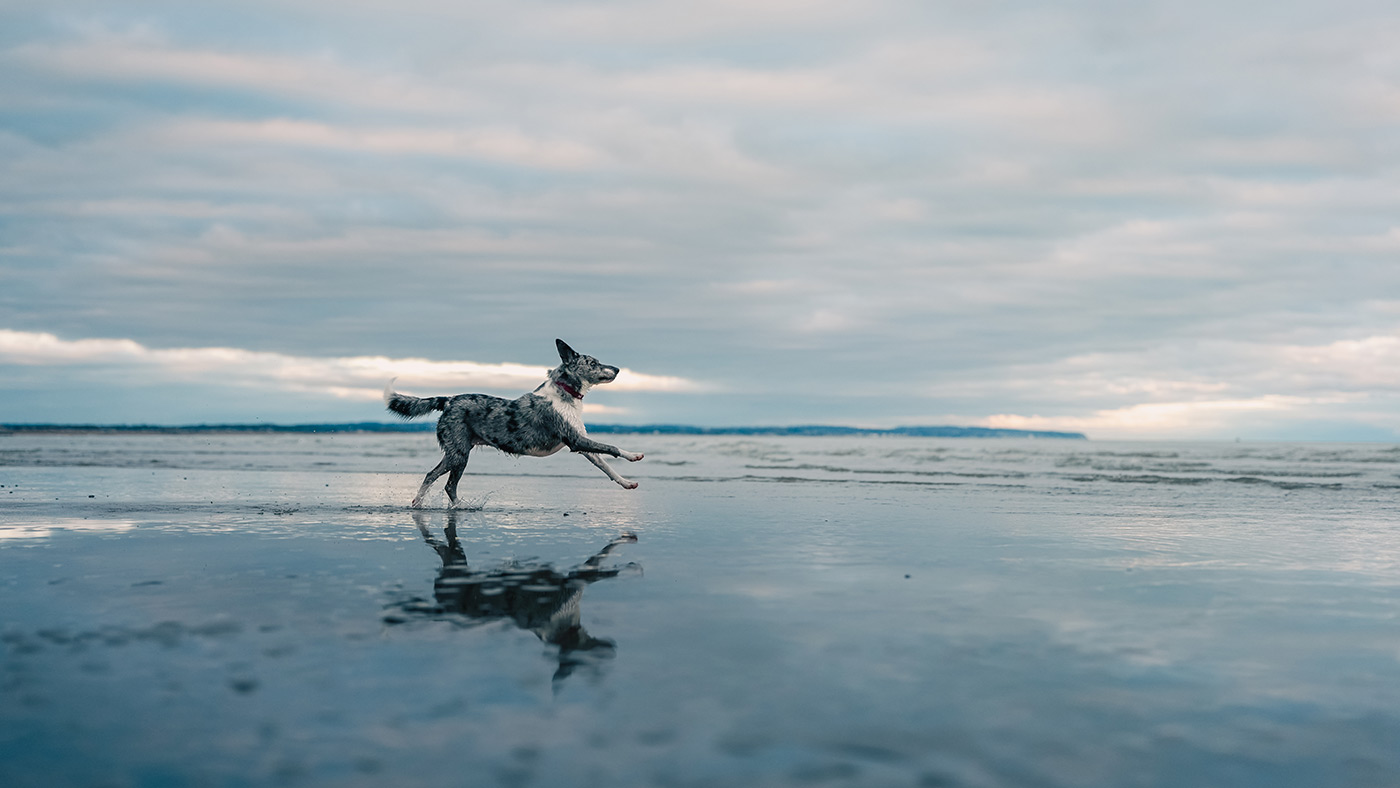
(580, 371)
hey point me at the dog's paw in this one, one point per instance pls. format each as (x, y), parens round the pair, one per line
(628, 484)
(632, 457)
(416, 504)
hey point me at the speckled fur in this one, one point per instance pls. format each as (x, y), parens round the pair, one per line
(537, 424)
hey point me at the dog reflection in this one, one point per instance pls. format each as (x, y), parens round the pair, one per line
(537, 598)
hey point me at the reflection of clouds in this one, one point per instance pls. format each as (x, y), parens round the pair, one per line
(49, 526)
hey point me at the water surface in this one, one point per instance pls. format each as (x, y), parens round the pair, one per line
(264, 610)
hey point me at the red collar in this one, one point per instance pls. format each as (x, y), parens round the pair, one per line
(570, 390)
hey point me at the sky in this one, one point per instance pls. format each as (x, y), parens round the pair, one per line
(1156, 220)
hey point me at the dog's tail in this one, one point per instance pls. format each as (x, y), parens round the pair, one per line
(410, 407)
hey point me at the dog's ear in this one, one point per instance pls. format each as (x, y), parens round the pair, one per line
(566, 353)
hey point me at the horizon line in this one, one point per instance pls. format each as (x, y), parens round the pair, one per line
(947, 431)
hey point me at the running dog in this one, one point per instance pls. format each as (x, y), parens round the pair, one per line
(535, 425)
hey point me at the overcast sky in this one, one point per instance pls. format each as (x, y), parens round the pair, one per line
(1170, 219)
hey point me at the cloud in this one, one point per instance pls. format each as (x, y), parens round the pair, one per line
(359, 378)
(1191, 419)
(498, 144)
(1175, 392)
(1367, 364)
(106, 57)
(1143, 215)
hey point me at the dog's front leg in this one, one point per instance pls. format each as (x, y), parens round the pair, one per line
(627, 484)
(587, 444)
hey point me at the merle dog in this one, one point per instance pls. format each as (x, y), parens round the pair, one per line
(536, 425)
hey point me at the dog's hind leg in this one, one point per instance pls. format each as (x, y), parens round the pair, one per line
(627, 484)
(428, 480)
(454, 475)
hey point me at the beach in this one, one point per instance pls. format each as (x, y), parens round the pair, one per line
(264, 609)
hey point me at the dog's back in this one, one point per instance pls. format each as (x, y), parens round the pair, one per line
(529, 425)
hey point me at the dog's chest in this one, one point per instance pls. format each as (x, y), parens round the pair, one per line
(527, 438)
(570, 411)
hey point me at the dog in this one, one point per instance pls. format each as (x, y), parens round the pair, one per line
(537, 424)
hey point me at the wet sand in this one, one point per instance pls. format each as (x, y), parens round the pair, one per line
(217, 626)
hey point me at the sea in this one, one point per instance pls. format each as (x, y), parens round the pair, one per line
(264, 609)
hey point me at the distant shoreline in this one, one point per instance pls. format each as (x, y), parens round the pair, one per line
(615, 429)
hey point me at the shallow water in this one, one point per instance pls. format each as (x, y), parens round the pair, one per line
(263, 610)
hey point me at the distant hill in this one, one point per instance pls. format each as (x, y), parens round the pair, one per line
(601, 429)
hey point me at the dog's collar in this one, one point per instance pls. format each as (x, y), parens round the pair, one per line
(570, 390)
